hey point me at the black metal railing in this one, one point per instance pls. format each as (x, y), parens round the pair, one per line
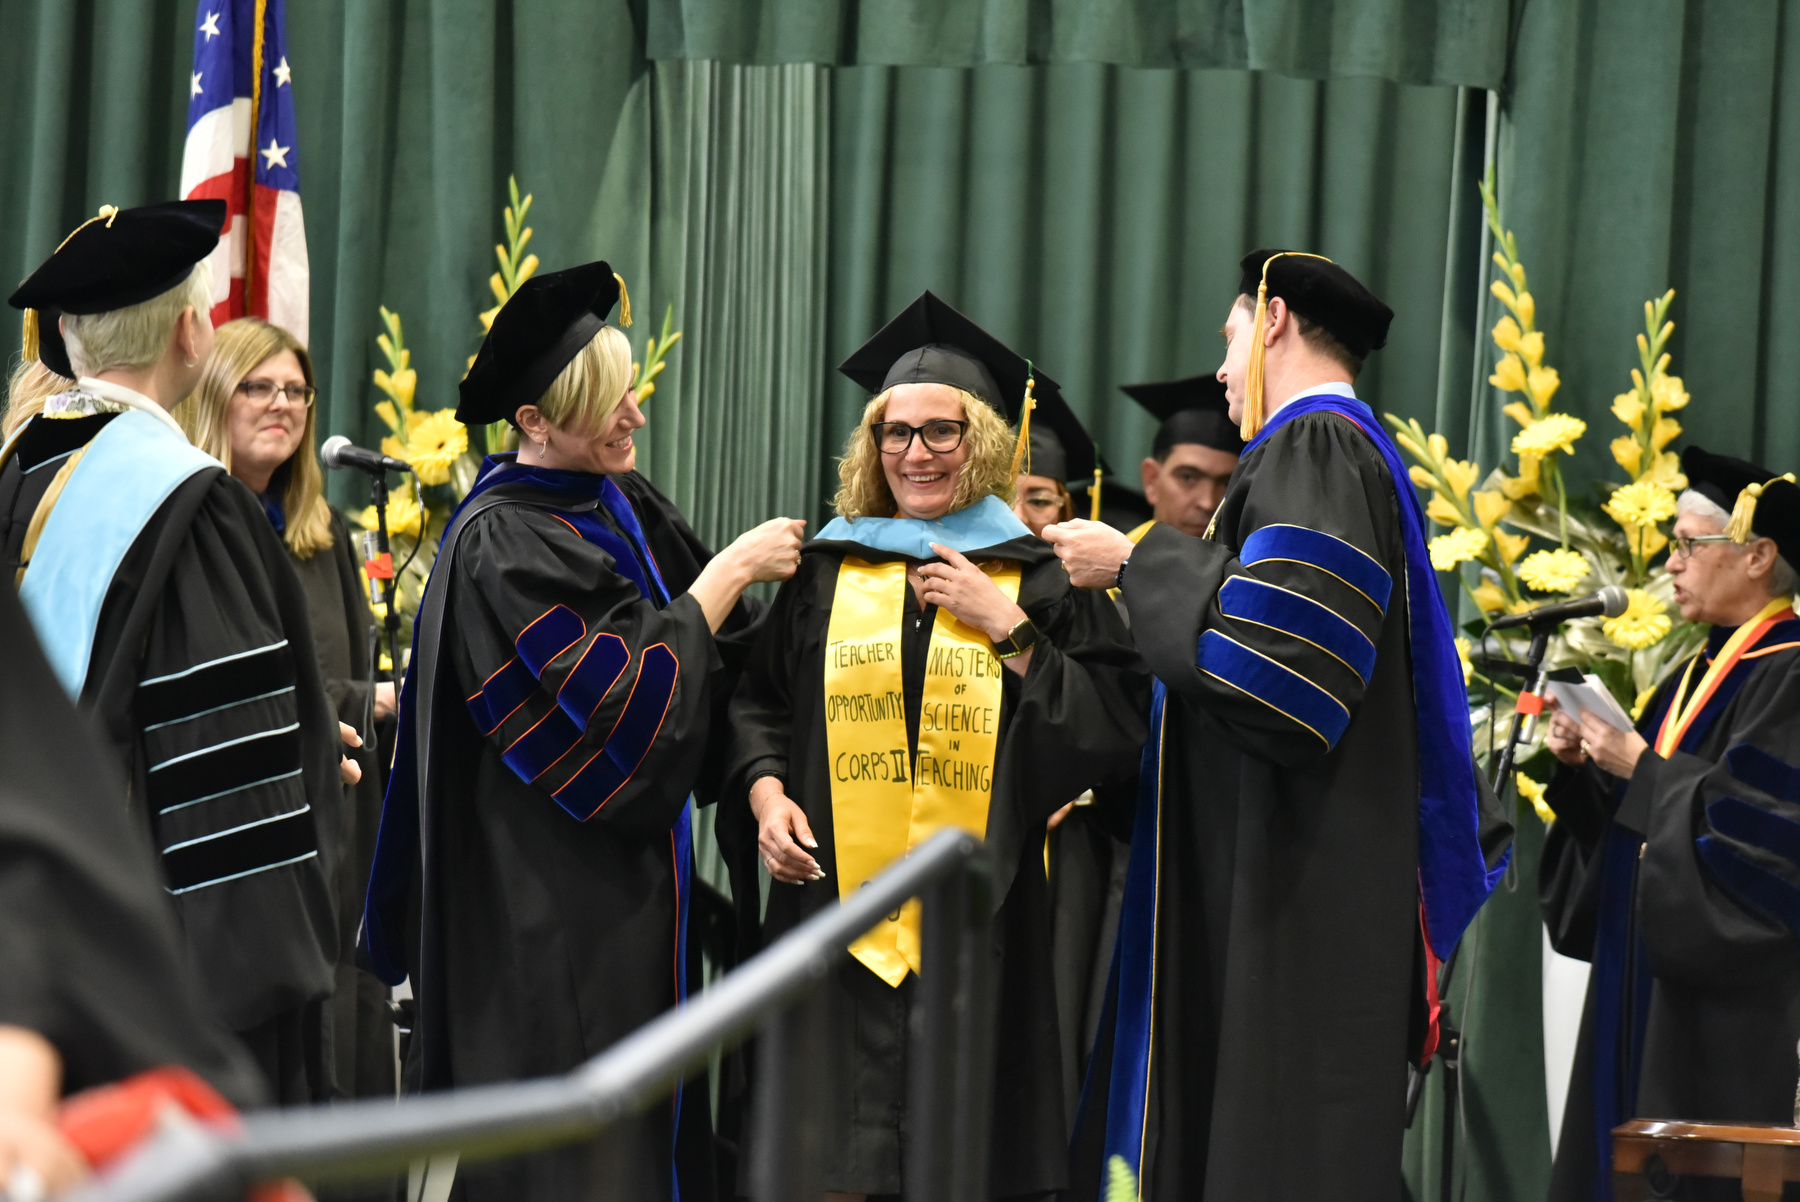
(950, 1071)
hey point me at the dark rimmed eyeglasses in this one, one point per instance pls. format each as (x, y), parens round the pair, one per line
(939, 436)
(264, 392)
(1682, 545)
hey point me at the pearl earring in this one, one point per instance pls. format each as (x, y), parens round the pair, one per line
(543, 448)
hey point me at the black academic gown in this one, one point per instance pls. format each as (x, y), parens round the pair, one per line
(1288, 990)
(362, 1023)
(550, 856)
(1693, 1004)
(203, 684)
(92, 958)
(1076, 717)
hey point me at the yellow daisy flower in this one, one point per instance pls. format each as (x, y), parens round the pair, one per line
(433, 444)
(1555, 432)
(1460, 545)
(1554, 571)
(1643, 624)
(1644, 503)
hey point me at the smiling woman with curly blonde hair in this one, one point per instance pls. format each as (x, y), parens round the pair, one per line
(929, 666)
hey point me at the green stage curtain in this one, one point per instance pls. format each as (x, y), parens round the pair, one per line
(1459, 42)
(1093, 217)
(1651, 144)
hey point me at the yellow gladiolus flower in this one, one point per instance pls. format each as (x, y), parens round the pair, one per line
(1643, 699)
(1665, 469)
(1511, 546)
(1490, 597)
(399, 385)
(1520, 412)
(1555, 432)
(1666, 430)
(1421, 476)
(1629, 453)
(1533, 792)
(1531, 346)
(403, 515)
(435, 442)
(1459, 546)
(1524, 484)
(1526, 308)
(385, 411)
(1504, 293)
(1509, 374)
(1667, 393)
(1460, 475)
(1650, 542)
(1554, 571)
(1628, 407)
(1490, 506)
(1544, 382)
(1643, 624)
(1643, 503)
(1468, 665)
(1506, 334)
(1442, 512)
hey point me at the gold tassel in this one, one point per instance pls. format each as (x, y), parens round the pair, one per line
(1094, 494)
(1252, 421)
(1022, 449)
(624, 301)
(1743, 514)
(30, 340)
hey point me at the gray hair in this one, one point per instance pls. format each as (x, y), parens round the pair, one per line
(136, 335)
(1782, 580)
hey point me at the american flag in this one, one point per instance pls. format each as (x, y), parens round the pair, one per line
(260, 267)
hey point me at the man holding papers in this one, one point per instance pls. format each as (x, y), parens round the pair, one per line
(1674, 861)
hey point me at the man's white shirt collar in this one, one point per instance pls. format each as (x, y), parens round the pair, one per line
(1336, 388)
(131, 399)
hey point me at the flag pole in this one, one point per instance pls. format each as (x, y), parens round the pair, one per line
(256, 76)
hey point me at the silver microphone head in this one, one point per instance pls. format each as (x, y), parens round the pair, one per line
(1614, 599)
(328, 454)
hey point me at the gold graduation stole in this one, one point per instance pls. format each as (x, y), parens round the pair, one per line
(1683, 707)
(880, 810)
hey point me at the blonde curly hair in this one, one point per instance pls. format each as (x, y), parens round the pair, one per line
(863, 490)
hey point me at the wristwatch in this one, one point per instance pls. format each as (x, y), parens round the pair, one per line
(1020, 639)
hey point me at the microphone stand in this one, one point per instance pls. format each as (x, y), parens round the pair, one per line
(1530, 706)
(380, 566)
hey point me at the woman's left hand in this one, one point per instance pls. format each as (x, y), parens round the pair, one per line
(1616, 751)
(968, 592)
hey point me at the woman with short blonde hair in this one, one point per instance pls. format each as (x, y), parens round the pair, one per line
(578, 640)
(929, 666)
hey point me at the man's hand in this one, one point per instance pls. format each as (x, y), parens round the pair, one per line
(1617, 751)
(782, 834)
(349, 771)
(1091, 551)
(384, 699)
(35, 1159)
(1564, 736)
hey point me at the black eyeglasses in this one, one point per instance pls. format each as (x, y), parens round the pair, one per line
(940, 436)
(1683, 545)
(263, 392)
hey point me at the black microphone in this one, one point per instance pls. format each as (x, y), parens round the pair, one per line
(1609, 602)
(339, 452)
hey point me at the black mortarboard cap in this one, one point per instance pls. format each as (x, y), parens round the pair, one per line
(52, 351)
(1739, 486)
(1323, 293)
(124, 257)
(536, 333)
(1192, 409)
(929, 342)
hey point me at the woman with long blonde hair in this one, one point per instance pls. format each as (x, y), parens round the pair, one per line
(254, 411)
(929, 666)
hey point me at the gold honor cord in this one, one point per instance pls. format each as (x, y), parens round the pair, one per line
(1252, 421)
(882, 805)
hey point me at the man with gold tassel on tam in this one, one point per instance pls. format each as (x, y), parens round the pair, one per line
(1310, 837)
(1674, 861)
(929, 666)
